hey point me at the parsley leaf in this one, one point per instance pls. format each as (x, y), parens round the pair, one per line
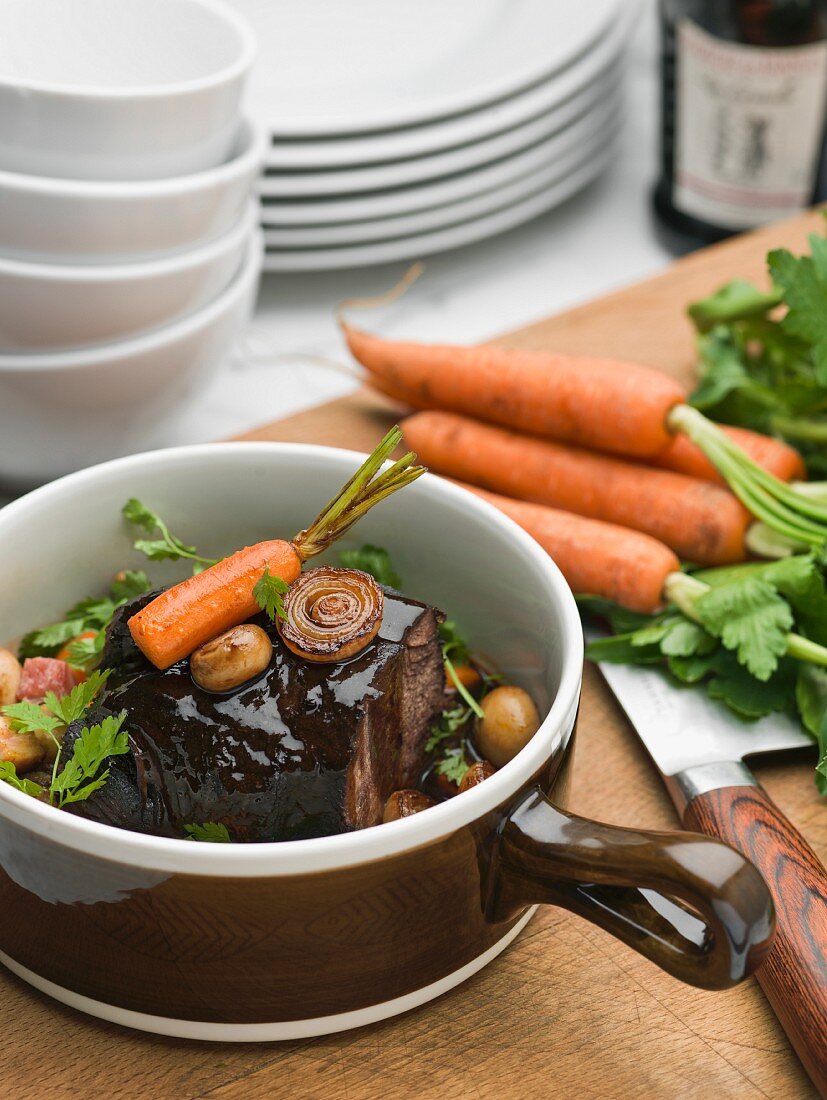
(74, 705)
(811, 699)
(450, 722)
(85, 652)
(91, 615)
(128, 585)
(268, 592)
(212, 831)
(453, 765)
(8, 773)
(751, 618)
(28, 717)
(81, 776)
(373, 560)
(804, 281)
(165, 546)
(769, 372)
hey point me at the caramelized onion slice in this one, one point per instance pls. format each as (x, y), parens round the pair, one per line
(331, 613)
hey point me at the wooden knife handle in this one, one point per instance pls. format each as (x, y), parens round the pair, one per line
(794, 975)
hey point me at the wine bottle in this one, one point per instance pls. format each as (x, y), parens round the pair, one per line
(744, 109)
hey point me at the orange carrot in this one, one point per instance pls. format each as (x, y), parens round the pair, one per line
(601, 403)
(201, 607)
(773, 455)
(698, 520)
(185, 616)
(596, 558)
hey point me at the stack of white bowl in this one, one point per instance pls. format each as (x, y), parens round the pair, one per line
(129, 251)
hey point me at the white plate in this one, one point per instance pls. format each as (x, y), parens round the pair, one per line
(400, 201)
(496, 118)
(409, 248)
(555, 162)
(345, 68)
(405, 174)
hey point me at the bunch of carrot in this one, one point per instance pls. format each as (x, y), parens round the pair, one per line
(580, 452)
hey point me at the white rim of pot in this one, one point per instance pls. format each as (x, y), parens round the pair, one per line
(296, 857)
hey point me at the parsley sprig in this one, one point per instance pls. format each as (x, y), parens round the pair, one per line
(269, 592)
(766, 370)
(455, 648)
(164, 546)
(81, 775)
(89, 616)
(453, 764)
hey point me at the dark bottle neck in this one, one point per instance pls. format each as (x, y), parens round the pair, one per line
(755, 22)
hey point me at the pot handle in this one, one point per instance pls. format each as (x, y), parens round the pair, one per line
(692, 905)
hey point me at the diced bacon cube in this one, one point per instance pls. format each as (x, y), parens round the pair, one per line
(42, 674)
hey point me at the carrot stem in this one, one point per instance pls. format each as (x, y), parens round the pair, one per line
(367, 487)
(470, 701)
(796, 516)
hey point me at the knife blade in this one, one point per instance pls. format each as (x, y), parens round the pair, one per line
(699, 748)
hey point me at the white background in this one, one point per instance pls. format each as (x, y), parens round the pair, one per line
(602, 239)
(598, 241)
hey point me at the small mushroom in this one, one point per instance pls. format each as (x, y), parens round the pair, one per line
(510, 721)
(10, 673)
(476, 774)
(404, 804)
(231, 659)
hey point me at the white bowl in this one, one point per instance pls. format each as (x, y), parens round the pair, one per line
(81, 221)
(119, 89)
(61, 307)
(63, 411)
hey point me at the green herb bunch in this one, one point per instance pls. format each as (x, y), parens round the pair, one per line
(753, 636)
(763, 354)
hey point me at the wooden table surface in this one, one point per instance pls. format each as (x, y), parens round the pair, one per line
(566, 1011)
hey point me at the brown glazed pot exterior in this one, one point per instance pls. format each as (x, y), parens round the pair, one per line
(251, 950)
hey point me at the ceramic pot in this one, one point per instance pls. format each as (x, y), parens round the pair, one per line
(273, 941)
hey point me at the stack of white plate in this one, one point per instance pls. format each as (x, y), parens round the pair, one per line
(398, 128)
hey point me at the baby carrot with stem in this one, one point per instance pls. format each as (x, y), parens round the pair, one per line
(203, 606)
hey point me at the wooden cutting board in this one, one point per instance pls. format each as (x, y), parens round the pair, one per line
(567, 1011)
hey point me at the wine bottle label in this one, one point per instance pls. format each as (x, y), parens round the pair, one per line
(749, 126)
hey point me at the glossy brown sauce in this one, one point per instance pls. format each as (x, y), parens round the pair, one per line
(268, 759)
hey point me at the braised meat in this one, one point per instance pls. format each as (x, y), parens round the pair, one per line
(304, 750)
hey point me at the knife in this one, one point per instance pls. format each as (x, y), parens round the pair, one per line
(699, 747)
